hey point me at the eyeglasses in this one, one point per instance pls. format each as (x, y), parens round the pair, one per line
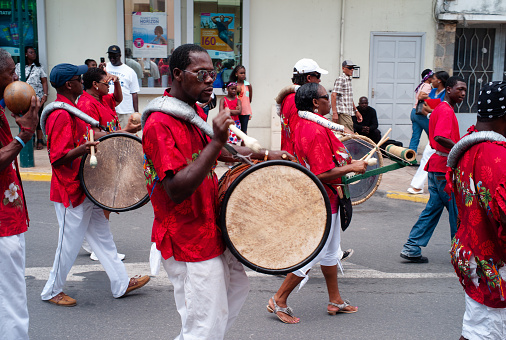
(76, 79)
(103, 82)
(316, 75)
(350, 67)
(323, 97)
(203, 74)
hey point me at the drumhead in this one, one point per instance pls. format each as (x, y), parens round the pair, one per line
(117, 183)
(275, 217)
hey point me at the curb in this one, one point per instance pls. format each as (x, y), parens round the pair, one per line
(398, 195)
(35, 176)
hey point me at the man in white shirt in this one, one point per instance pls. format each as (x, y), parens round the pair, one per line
(129, 84)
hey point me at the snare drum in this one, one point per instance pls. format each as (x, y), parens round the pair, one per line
(275, 215)
(117, 183)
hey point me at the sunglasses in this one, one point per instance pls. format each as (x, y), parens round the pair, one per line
(203, 74)
(103, 82)
(350, 67)
(316, 75)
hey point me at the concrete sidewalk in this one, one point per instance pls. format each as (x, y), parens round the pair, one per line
(393, 184)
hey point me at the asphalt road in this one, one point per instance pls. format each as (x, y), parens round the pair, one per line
(396, 300)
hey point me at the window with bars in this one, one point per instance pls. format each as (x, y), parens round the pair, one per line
(474, 61)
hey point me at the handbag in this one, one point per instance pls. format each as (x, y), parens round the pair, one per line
(419, 107)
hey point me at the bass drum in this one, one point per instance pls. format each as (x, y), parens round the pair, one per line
(275, 216)
(117, 183)
(359, 146)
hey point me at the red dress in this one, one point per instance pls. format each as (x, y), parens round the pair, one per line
(13, 212)
(104, 111)
(65, 132)
(232, 105)
(319, 150)
(188, 230)
(478, 251)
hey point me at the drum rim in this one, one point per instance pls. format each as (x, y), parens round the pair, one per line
(223, 210)
(87, 193)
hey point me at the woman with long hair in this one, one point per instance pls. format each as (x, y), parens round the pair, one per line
(420, 123)
(37, 78)
(245, 95)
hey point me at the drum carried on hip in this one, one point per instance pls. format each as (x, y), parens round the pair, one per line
(275, 216)
(117, 183)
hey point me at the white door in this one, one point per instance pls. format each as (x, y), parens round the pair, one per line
(395, 65)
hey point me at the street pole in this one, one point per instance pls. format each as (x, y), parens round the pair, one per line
(26, 154)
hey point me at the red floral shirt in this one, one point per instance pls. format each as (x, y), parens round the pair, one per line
(442, 122)
(319, 150)
(64, 133)
(103, 111)
(13, 212)
(289, 118)
(187, 231)
(479, 246)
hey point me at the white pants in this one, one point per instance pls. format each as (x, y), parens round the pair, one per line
(88, 220)
(482, 322)
(420, 177)
(208, 294)
(329, 255)
(13, 308)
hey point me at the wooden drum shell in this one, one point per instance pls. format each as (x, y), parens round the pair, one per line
(275, 216)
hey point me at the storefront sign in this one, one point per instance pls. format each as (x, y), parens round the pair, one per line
(149, 34)
(217, 34)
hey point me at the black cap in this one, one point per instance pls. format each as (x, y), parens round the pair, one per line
(114, 49)
(492, 100)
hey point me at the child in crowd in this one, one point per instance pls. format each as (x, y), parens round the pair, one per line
(234, 104)
(245, 94)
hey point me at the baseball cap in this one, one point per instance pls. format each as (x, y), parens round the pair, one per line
(348, 63)
(62, 73)
(114, 49)
(307, 66)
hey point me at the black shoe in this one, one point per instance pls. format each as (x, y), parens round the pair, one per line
(347, 254)
(415, 259)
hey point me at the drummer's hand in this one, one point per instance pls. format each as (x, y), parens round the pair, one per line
(30, 119)
(220, 126)
(88, 145)
(131, 126)
(359, 166)
(283, 155)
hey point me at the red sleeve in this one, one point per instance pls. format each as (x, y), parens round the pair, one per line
(87, 106)
(61, 139)
(110, 101)
(160, 146)
(444, 124)
(318, 152)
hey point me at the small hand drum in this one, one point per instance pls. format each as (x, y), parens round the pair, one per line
(117, 183)
(275, 216)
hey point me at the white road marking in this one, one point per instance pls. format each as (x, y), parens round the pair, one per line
(351, 271)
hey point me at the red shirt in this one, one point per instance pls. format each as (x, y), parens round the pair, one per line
(289, 118)
(13, 212)
(319, 150)
(64, 133)
(479, 247)
(442, 122)
(104, 111)
(187, 231)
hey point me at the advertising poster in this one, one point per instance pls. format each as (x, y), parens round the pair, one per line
(9, 33)
(149, 34)
(217, 34)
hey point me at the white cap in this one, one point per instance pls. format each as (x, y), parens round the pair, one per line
(308, 66)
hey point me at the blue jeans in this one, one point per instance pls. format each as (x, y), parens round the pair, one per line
(422, 230)
(420, 122)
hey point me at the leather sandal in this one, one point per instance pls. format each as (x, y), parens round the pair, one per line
(287, 310)
(341, 307)
(40, 144)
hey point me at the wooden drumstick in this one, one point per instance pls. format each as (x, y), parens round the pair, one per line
(93, 159)
(249, 142)
(381, 142)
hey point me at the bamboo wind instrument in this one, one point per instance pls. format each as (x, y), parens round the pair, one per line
(93, 158)
(403, 153)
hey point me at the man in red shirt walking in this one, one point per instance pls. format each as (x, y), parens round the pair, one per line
(479, 247)
(443, 134)
(210, 285)
(13, 212)
(67, 141)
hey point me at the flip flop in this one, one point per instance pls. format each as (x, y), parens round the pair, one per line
(287, 310)
(341, 307)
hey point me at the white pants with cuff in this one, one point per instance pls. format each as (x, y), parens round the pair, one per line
(13, 308)
(421, 175)
(482, 322)
(330, 254)
(208, 294)
(88, 220)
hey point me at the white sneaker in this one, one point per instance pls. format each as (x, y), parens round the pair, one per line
(94, 257)
(414, 192)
